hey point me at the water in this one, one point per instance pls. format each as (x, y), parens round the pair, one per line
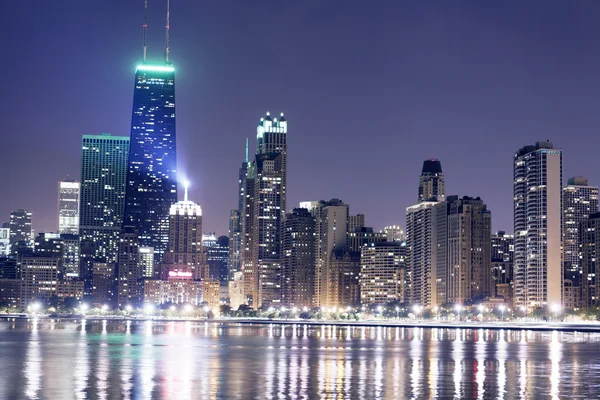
(143, 360)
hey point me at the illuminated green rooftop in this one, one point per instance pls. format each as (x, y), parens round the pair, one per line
(155, 68)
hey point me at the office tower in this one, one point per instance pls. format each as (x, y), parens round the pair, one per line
(394, 233)
(21, 232)
(10, 292)
(236, 290)
(538, 279)
(432, 186)
(356, 222)
(129, 269)
(68, 207)
(426, 239)
(469, 247)
(184, 249)
(236, 219)
(579, 201)
(103, 183)
(208, 240)
(147, 261)
(211, 295)
(298, 258)
(381, 274)
(364, 236)
(264, 206)
(104, 284)
(332, 235)
(8, 268)
(345, 266)
(63, 246)
(217, 259)
(502, 256)
(4, 241)
(39, 277)
(589, 237)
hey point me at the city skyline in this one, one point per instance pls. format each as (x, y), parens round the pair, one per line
(406, 125)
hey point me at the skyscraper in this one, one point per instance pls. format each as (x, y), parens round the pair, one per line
(538, 273)
(590, 252)
(432, 186)
(298, 275)
(152, 170)
(469, 246)
(394, 233)
(21, 233)
(68, 207)
(103, 183)
(502, 255)
(579, 201)
(236, 221)
(265, 210)
(185, 238)
(426, 239)
(129, 269)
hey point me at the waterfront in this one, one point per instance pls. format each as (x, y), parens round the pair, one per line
(155, 359)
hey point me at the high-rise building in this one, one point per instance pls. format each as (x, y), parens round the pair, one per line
(104, 284)
(151, 173)
(147, 261)
(345, 267)
(21, 232)
(235, 242)
(356, 222)
(103, 183)
(590, 252)
(469, 246)
(432, 186)
(538, 279)
(364, 236)
(502, 256)
(265, 210)
(185, 237)
(579, 201)
(298, 275)
(39, 279)
(129, 269)
(332, 235)
(381, 274)
(64, 246)
(217, 259)
(426, 239)
(68, 207)
(394, 233)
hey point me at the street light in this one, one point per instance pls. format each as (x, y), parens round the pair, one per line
(397, 315)
(501, 307)
(436, 311)
(188, 308)
(105, 307)
(458, 308)
(524, 310)
(417, 309)
(83, 308)
(555, 309)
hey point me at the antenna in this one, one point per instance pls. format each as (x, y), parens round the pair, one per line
(246, 149)
(167, 34)
(145, 26)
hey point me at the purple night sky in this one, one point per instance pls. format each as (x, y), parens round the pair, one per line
(369, 89)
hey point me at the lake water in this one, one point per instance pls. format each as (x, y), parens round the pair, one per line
(196, 360)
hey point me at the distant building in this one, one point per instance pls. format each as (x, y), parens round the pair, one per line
(217, 259)
(236, 291)
(104, 288)
(394, 233)
(364, 236)
(503, 246)
(10, 292)
(129, 269)
(579, 201)
(9, 269)
(299, 242)
(590, 252)
(381, 276)
(147, 262)
(356, 222)
(538, 279)
(39, 279)
(345, 269)
(432, 186)
(4, 241)
(21, 232)
(68, 207)
(212, 295)
(64, 246)
(176, 291)
(469, 246)
(502, 257)
(103, 182)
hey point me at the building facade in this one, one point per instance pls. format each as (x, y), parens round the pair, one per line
(432, 185)
(538, 279)
(589, 237)
(103, 184)
(152, 168)
(21, 231)
(469, 247)
(68, 207)
(129, 269)
(381, 278)
(299, 242)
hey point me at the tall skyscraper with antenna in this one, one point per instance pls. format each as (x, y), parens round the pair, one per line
(151, 174)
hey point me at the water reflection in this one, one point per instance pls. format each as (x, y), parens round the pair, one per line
(146, 360)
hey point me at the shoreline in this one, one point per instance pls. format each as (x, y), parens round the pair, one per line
(491, 325)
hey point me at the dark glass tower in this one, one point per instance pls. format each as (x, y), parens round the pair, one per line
(151, 175)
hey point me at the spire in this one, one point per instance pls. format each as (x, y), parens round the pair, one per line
(167, 34)
(145, 26)
(246, 149)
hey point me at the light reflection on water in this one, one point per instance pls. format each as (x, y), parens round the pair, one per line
(104, 359)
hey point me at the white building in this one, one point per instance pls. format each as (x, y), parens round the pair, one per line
(68, 207)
